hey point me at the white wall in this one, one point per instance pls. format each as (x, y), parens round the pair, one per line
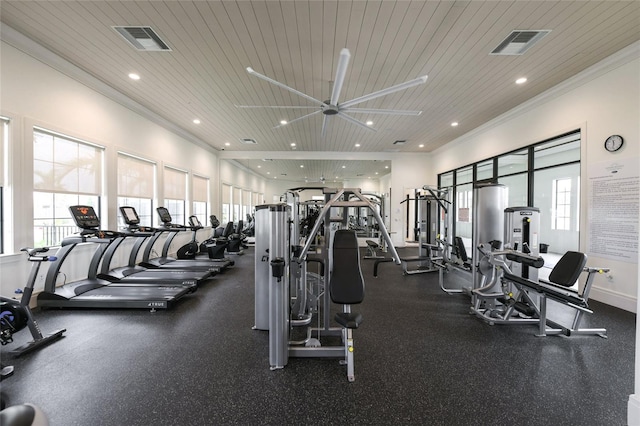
(241, 178)
(408, 171)
(601, 101)
(35, 94)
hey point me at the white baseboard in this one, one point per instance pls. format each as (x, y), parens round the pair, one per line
(633, 412)
(618, 300)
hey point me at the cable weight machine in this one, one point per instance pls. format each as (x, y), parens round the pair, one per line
(287, 271)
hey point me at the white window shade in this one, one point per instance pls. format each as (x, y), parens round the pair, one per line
(237, 196)
(200, 189)
(4, 134)
(65, 165)
(175, 184)
(136, 177)
(246, 198)
(226, 194)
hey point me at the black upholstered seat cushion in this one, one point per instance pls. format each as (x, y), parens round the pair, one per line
(346, 284)
(568, 269)
(348, 320)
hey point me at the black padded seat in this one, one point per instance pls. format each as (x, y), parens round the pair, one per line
(348, 320)
(346, 285)
(372, 244)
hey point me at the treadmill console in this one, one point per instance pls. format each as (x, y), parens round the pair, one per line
(85, 217)
(195, 222)
(164, 214)
(130, 216)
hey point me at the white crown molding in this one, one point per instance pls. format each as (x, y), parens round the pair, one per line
(44, 55)
(618, 59)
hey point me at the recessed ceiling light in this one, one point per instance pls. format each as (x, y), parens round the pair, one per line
(421, 145)
(283, 122)
(268, 173)
(376, 172)
(454, 124)
(293, 144)
(302, 166)
(196, 121)
(134, 76)
(369, 123)
(227, 144)
(357, 145)
(344, 167)
(521, 80)
(259, 166)
(386, 167)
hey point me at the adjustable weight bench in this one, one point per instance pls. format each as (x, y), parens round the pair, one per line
(346, 287)
(372, 246)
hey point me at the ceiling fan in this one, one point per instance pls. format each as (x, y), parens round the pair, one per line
(332, 106)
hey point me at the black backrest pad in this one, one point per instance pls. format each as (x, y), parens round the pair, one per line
(568, 268)
(346, 285)
(228, 230)
(462, 251)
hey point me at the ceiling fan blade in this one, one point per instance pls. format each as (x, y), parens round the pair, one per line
(298, 119)
(283, 86)
(381, 111)
(387, 91)
(341, 72)
(354, 121)
(324, 125)
(278, 107)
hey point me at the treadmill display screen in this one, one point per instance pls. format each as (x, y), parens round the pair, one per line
(85, 217)
(130, 216)
(164, 214)
(194, 221)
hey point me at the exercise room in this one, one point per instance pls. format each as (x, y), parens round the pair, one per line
(267, 212)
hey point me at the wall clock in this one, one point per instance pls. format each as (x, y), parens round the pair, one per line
(613, 143)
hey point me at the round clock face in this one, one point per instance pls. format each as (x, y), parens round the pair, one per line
(613, 143)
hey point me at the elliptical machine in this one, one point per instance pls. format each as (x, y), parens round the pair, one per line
(16, 315)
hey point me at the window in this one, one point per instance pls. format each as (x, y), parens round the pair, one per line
(561, 204)
(236, 199)
(66, 171)
(201, 198)
(545, 175)
(175, 193)
(246, 205)
(136, 186)
(4, 141)
(226, 204)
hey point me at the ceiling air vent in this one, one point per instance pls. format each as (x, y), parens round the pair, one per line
(143, 38)
(400, 142)
(519, 41)
(248, 141)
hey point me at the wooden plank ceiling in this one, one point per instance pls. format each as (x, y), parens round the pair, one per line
(298, 43)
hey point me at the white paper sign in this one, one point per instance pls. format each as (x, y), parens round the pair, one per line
(614, 200)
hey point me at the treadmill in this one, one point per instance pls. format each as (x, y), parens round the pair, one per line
(133, 274)
(224, 262)
(94, 292)
(165, 261)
